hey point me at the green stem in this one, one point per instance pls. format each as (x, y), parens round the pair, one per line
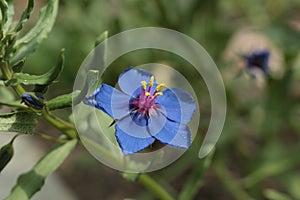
(8, 74)
(65, 127)
(50, 138)
(154, 187)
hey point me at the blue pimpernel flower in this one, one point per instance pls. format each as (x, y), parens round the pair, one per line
(145, 111)
(257, 59)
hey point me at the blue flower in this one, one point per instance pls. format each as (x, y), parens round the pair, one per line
(145, 111)
(258, 59)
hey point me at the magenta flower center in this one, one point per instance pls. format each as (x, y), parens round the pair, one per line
(145, 103)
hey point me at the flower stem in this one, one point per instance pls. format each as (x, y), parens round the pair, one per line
(50, 138)
(65, 127)
(154, 187)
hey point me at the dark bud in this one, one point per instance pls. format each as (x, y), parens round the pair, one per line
(258, 59)
(33, 101)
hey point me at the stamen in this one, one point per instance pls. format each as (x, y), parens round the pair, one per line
(144, 84)
(151, 81)
(147, 94)
(159, 86)
(156, 94)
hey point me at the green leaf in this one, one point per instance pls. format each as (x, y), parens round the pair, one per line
(272, 194)
(91, 80)
(42, 80)
(63, 101)
(101, 38)
(31, 182)
(25, 16)
(7, 12)
(17, 67)
(6, 94)
(3, 8)
(6, 153)
(99, 51)
(38, 33)
(93, 73)
(13, 104)
(21, 122)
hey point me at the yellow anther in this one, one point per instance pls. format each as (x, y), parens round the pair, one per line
(151, 81)
(144, 84)
(159, 86)
(156, 94)
(147, 94)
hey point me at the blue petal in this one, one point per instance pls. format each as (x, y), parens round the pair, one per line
(133, 128)
(130, 144)
(170, 132)
(182, 139)
(179, 105)
(110, 100)
(139, 118)
(130, 80)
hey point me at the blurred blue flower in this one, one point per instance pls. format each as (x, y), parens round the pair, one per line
(145, 111)
(257, 59)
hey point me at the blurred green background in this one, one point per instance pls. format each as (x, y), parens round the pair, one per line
(257, 156)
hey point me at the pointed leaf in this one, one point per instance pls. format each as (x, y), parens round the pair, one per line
(91, 80)
(6, 153)
(25, 15)
(21, 122)
(99, 51)
(31, 182)
(63, 101)
(38, 33)
(7, 11)
(101, 38)
(44, 79)
(4, 8)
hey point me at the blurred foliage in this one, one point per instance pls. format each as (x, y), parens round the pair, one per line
(257, 154)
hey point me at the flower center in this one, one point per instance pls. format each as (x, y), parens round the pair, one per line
(146, 101)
